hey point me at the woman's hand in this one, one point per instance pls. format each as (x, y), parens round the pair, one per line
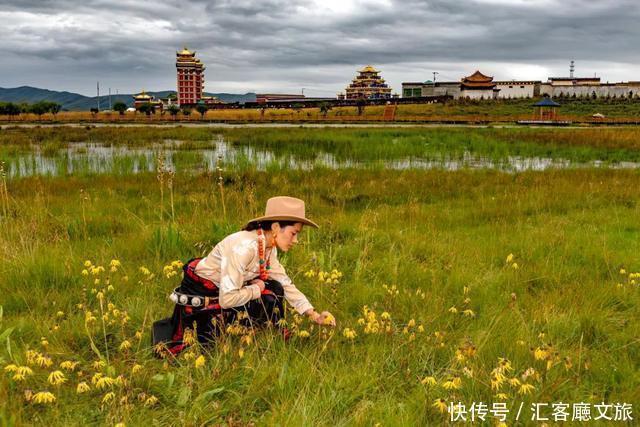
(258, 282)
(325, 319)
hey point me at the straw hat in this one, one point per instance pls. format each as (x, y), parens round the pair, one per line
(286, 209)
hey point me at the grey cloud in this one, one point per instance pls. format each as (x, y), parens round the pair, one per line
(282, 42)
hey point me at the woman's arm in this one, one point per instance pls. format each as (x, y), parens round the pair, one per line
(296, 298)
(233, 264)
(293, 295)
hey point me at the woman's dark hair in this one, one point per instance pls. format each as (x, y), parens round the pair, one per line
(266, 225)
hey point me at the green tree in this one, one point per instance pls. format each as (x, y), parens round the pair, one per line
(9, 109)
(360, 104)
(186, 112)
(146, 108)
(54, 108)
(120, 107)
(325, 107)
(173, 110)
(39, 108)
(202, 109)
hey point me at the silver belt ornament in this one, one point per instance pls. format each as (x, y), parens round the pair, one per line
(189, 300)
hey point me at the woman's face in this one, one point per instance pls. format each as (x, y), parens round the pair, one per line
(287, 236)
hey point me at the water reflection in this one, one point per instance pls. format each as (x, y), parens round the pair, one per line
(93, 158)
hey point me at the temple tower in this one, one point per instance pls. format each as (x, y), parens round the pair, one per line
(190, 78)
(368, 85)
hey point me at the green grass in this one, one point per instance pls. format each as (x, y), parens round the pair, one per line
(429, 233)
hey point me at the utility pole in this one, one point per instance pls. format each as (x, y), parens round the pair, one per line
(435, 73)
(109, 98)
(98, 90)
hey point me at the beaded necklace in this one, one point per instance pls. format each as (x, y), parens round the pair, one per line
(264, 264)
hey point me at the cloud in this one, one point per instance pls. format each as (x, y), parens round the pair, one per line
(279, 45)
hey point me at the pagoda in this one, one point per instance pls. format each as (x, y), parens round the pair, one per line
(368, 85)
(190, 78)
(477, 86)
(144, 98)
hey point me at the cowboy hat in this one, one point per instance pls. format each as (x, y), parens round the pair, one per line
(284, 208)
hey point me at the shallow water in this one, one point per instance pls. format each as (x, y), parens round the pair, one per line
(91, 158)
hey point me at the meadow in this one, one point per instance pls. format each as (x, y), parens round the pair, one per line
(577, 110)
(466, 285)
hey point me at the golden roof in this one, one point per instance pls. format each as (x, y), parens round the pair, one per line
(369, 69)
(186, 51)
(142, 95)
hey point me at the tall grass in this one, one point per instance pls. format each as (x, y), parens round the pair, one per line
(411, 243)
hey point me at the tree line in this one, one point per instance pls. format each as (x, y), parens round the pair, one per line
(39, 108)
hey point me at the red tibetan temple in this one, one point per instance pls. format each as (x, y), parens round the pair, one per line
(190, 78)
(477, 85)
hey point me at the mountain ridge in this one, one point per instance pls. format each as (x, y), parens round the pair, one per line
(76, 102)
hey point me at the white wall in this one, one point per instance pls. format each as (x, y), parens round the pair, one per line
(515, 90)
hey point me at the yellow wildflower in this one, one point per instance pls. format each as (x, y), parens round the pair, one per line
(188, 338)
(429, 381)
(385, 316)
(60, 314)
(514, 265)
(501, 396)
(452, 384)
(420, 328)
(453, 309)
(526, 389)
(125, 345)
(540, 353)
(68, 365)
(11, 368)
(411, 323)
(329, 319)
(514, 382)
(96, 377)
(82, 387)
(43, 397)
(151, 400)
(17, 377)
(241, 353)
(24, 371)
(440, 405)
(199, 363)
(43, 361)
(107, 398)
(104, 382)
(623, 271)
(349, 333)
(509, 258)
(99, 364)
(135, 369)
(57, 378)
(87, 263)
(85, 272)
(469, 313)
(304, 334)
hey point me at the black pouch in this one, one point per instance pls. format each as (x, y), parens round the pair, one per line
(162, 331)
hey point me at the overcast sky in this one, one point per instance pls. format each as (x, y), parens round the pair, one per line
(287, 45)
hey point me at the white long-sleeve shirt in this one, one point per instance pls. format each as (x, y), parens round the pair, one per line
(234, 261)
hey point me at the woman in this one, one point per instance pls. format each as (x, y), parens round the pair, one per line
(242, 274)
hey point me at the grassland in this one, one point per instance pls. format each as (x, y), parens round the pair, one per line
(428, 247)
(578, 110)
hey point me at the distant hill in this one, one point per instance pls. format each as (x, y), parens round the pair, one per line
(76, 102)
